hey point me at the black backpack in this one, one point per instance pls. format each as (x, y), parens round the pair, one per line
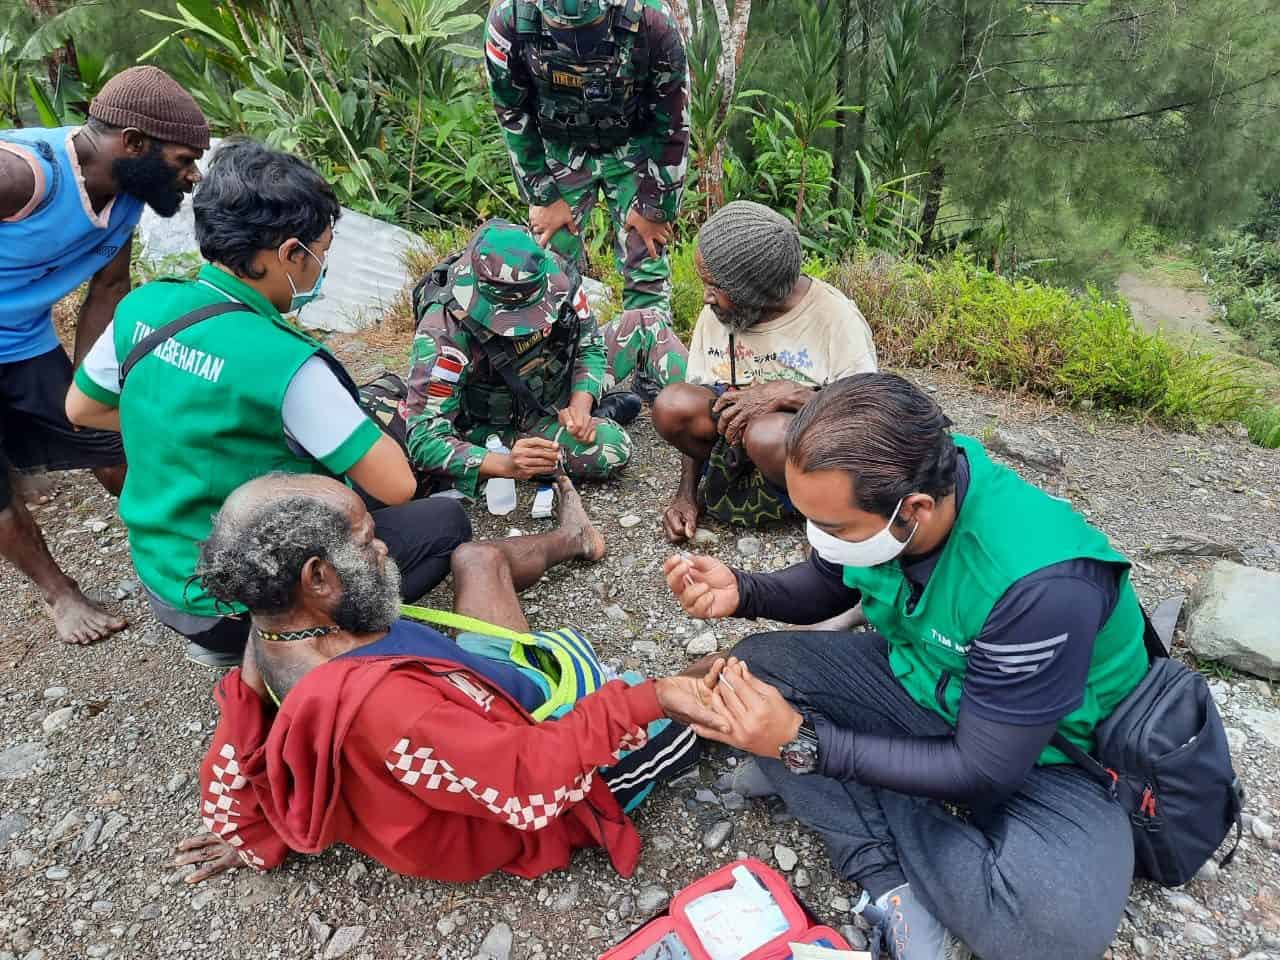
(1162, 755)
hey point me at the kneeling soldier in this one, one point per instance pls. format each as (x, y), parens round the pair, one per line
(507, 345)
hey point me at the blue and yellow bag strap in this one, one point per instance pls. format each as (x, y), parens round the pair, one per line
(563, 656)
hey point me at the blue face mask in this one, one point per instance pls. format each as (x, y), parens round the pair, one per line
(300, 300)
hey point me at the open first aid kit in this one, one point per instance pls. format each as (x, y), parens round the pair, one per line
(743, 911)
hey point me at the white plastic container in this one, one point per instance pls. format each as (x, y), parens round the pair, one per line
(499, 492)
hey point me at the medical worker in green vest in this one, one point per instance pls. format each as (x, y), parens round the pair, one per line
(244, 393)
(999, 617)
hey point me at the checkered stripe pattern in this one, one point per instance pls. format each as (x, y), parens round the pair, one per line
(634, 740)
(417, 766)
(220, 807)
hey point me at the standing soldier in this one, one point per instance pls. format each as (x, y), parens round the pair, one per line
(592, 96)
(507, 345)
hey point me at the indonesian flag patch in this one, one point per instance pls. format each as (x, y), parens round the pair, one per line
(447, 368)
(496, 48)
(581, 305)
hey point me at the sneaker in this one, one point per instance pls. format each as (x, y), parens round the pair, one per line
(214, 659)
(747, 780)
(619, 405)
(902, 926)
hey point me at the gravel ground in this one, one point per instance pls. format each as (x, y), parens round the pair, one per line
(99, 746)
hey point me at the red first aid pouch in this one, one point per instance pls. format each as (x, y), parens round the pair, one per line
(673, 937)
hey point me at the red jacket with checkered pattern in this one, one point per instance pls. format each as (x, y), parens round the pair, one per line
(422, 765)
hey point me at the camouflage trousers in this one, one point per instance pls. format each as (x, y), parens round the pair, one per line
(602, 459)
(646, 282)
(642, 341)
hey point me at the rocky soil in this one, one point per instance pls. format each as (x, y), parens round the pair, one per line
(99, 746)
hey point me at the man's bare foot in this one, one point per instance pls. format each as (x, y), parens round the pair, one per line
(35, 489)
(573, 519)
(79, 620)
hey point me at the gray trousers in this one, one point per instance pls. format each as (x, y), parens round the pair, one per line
(1044, 873)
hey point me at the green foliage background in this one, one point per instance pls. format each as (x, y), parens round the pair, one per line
(999, 140)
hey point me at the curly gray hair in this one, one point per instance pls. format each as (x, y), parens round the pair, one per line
(256, 552)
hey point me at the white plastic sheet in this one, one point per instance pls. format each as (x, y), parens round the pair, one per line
(366, 268)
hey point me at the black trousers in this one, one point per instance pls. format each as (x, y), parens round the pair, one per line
(34, 431)
(420, 537)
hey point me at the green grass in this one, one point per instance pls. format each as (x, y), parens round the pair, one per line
(1263, 423)
(1178, 271)
(1214, 669)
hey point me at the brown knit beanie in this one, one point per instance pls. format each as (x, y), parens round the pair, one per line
(150, 100)
(752, 253)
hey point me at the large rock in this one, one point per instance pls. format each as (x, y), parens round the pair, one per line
(1039, 452)
(1233, 617)
(366, 265)
(19, 760)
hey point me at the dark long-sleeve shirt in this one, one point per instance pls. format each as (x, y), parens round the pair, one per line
(1011, 701)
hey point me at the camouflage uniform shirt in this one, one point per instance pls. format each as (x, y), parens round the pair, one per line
(455, 397)
(658, 152)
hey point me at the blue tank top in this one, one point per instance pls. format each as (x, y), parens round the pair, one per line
(57, 247)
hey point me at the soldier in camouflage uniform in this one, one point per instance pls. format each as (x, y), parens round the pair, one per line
(506, 344)
(592, 97)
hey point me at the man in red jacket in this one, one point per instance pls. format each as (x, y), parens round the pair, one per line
(347, 724)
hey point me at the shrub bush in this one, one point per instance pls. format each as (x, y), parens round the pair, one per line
(1021, 335)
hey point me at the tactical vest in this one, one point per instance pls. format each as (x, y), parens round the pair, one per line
(542, 363)
(593, 102)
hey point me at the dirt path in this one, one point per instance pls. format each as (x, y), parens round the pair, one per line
(1159, 304)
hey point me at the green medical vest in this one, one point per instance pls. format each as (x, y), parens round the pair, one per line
(201, 415)
(1006, 530)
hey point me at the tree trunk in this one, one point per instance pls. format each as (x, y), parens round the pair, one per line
(741, 20)
(864, 87)
(712, 176)
(727, 69)
(800, 191)
(842, 91)
(733, 38)
(932, 204)
(62, 61)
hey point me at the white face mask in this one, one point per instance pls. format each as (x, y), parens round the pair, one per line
(880, 547)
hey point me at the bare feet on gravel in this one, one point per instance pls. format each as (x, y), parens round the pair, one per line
(574, 520)
(79, 620)
(35, 489)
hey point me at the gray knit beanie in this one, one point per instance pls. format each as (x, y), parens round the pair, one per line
(752, 253)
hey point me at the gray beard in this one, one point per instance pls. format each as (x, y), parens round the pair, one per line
(370, 597)
(739, 318)
(370, 603)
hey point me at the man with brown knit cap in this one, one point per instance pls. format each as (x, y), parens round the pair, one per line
(767, 338)
(70, 199)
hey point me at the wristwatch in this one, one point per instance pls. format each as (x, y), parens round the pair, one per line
(801, 754)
